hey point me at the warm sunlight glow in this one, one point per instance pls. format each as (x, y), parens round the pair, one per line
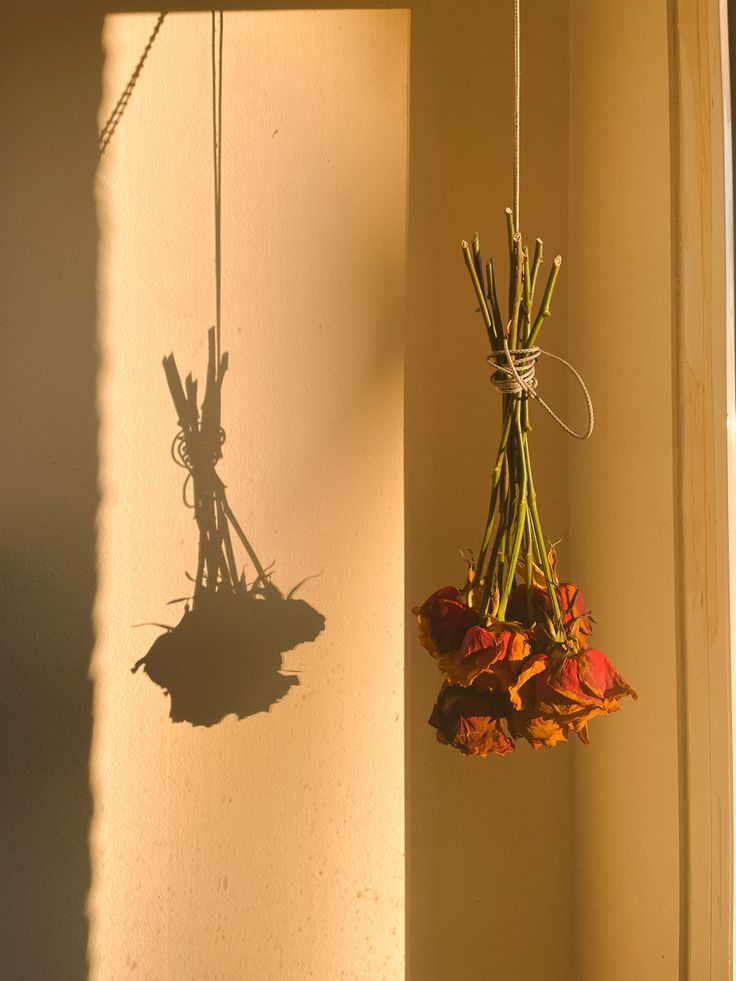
(272, 846)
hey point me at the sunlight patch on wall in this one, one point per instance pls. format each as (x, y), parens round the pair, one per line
(270, 846)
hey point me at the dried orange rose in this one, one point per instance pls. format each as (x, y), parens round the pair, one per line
(572, 608)
(566, 695)
(443, 621)
(538, 730)
(472, 721)
(493, 653)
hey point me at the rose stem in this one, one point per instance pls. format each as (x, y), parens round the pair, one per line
(526, 307)
(536, 263)
(509, 479)
(493, 297)
(499, 545)
(488, 580)
(519, 270)
(478, 291)
(537, 528)
(544, 310)
(511, 231)
(495, 482)
(493, 570)
(478, 261)
(521, 519)
(529, 570)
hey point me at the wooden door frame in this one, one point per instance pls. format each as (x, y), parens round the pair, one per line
(704, 431)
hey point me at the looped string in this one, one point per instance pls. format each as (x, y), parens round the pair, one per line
(515, 372)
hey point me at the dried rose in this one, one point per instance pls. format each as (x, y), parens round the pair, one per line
(538, 730)
(443, 621)
(567, 694)
(490, 655)
(572, 609)
(472, 721)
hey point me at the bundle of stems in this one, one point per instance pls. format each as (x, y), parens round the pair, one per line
(513, 543)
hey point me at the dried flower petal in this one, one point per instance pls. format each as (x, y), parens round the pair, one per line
(472, 721)
(486, 651)
(570, 601)
(444, 621)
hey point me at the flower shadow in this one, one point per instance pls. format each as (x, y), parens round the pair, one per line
(224, 657)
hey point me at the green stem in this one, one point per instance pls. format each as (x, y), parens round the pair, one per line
(518, 270)
(537, 528)
(544, 310)
(493, 298)
(511, 231)
(536, 263)
(526, 308)
(495, 482)
(529, 571)
(478, 291)
(520, 519)
(497, 553)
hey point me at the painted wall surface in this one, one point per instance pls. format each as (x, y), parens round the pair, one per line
(49, 93)
(490, 849)
(561, 864)
(270, 847)
(620, 486)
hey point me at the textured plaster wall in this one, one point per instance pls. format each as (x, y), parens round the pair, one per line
(270, 847)
(561, 864)
(620, 486)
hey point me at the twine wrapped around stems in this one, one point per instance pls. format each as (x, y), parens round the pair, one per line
(515, 373)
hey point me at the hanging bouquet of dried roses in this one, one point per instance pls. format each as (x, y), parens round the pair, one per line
(514, 643)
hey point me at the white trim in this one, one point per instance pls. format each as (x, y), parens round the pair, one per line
(703, 403)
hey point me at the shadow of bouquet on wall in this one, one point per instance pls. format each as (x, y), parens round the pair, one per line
(224, 657)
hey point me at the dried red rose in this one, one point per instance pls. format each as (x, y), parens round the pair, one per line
(571, 604)
(538, 730)
(443, 621)
(490, 651)
(566, 695)
(472, 721)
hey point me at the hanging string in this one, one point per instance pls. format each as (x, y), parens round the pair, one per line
(121, 105)
(217, 35)
(517, 109)
(515, 370)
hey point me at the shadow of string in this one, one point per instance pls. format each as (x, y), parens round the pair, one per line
(225, 656)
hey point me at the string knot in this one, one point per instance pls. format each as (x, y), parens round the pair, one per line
(514, 370)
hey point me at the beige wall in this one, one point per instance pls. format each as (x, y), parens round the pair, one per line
(620, 486)
(270, 847)
(559, 863)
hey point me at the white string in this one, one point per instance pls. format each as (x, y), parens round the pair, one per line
(514, 372)
(517, 374)
(517, 109)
